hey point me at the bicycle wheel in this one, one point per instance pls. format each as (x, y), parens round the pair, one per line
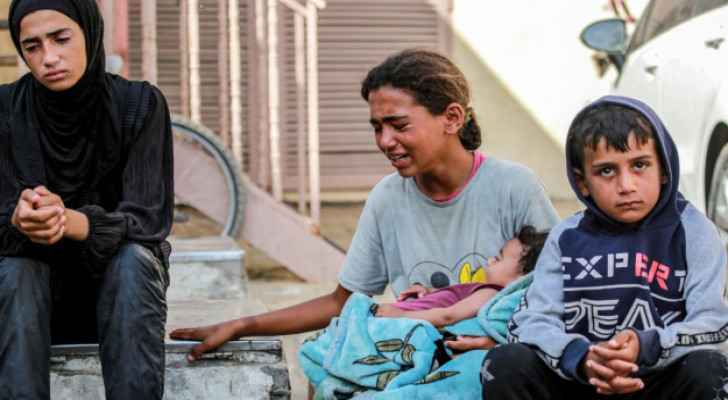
(206, 176)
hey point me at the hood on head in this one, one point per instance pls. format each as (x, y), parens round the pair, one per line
(666, 206)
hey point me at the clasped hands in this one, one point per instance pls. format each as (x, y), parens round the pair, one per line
(40, 215)
(610, 365)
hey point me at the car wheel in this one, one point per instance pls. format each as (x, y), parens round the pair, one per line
(718, 196)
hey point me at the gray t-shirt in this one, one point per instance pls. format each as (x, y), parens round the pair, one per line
(404, 237)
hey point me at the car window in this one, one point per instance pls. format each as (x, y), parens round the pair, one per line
(703, 6)
(660, 16)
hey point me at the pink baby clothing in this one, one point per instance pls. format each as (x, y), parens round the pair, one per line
(444, 297)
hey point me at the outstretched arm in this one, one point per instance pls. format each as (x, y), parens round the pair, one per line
(444, 316)
(308, 316)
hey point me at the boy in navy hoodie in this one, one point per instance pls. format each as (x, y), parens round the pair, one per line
(627, 297)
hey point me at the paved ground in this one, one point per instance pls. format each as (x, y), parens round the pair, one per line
(274, 286)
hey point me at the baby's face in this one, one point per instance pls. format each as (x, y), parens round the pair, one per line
(503, 268)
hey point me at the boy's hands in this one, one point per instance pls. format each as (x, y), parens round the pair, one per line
(609, 365)
(416, 291)
(40, 215)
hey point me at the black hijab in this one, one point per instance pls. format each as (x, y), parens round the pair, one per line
(77, 129)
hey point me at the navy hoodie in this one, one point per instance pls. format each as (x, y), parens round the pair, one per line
(663, 278)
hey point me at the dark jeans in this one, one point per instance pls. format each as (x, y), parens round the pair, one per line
(515, 371)
(124, 310)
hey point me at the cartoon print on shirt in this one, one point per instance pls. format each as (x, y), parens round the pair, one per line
(471, 268)
(431, 274)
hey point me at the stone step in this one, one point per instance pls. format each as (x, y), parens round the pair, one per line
(206, 268)
(246, 369)
(254, 368)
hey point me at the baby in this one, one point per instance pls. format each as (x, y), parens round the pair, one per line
(455, 303)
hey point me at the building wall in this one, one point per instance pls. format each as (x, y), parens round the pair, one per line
(510, 131)
(530, 75)
(533, 47)
(7, 73)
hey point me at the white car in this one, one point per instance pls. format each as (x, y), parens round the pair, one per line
(677, 62)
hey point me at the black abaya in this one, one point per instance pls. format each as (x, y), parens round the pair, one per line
(104, 146)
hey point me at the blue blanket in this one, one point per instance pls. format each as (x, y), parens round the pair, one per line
(398, 358)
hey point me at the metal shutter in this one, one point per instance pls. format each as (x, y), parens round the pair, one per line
(135, 39)
(168, 48)
(168, 52)
(169, 56)
(209, 77)
(354, 36)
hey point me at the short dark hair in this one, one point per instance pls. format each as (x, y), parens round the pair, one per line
(434, 82)
(613, 122)
(532, 241)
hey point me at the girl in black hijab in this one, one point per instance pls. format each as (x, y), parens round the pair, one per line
(86, 199)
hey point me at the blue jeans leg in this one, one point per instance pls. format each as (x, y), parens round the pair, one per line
(131, 314)
(25, 305)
